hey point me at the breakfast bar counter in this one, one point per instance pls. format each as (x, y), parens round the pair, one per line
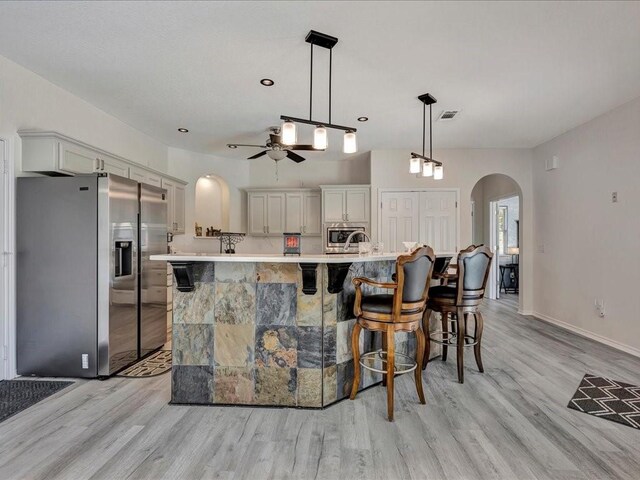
(269, 330)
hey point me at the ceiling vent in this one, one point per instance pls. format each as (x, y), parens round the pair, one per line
(447, 115)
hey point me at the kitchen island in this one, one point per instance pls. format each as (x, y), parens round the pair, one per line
(269, 330)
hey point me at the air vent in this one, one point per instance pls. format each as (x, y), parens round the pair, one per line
(448, 115)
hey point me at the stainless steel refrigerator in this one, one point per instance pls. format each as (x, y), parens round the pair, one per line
(88, 298)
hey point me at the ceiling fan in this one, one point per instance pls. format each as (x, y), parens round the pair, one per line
(275, 149)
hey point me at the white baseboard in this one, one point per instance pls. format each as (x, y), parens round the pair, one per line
(585, 333)
(525, 312)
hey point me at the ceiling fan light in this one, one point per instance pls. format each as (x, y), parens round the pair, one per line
(288, 133)
(438, 172)
(277, 155)
(320, 141)
(427, 169)
(350, 144)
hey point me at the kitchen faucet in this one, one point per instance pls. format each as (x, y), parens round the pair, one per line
(353, 234)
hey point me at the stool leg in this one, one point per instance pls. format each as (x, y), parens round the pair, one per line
(445, 329)
(384, 349)
(390, 370)
(418, 372)
(355, 348)
(478, 336)
(460, 345)
(425, 331)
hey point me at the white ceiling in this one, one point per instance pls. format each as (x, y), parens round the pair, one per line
(522, 73)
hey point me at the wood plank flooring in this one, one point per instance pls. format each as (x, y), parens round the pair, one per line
(509, 423)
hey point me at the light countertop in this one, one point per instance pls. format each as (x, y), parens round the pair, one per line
(275, 258)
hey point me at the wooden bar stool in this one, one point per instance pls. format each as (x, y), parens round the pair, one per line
(460, 301)
(391, 313)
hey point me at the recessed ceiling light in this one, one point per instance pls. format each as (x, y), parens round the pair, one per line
(363, 119)
(267, 82)
(183, 130)
(232, 146)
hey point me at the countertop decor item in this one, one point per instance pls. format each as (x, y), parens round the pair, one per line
(320, 141)
(430, 167)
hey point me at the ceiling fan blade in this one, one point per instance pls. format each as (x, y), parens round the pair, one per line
(245, 145)
(304, 147)
(257, 155)
(295, 157)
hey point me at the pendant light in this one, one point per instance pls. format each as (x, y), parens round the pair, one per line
(320, 138)
(430, 167)
(427, 168)
(414, 165)
(288, 132)
(350, 143)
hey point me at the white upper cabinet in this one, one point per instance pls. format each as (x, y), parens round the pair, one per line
(346, 204)
(357, 205)
(334, 203)
(312, 224)
(112, 165)
(274, 212)
(257, 209)
(175, 205)
(294, 222)
(54, 153)
(178, 208)
(76, 159)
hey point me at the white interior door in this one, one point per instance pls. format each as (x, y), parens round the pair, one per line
(439, 221)
(399, 219)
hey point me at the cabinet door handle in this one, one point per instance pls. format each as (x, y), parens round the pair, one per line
(267, 228)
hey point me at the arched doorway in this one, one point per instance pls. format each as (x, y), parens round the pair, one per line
(496, 211)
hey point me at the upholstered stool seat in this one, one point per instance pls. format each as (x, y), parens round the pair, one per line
(401, 311)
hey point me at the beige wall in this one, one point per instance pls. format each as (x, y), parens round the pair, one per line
(28, 101)
(587, 246)
(463, 168)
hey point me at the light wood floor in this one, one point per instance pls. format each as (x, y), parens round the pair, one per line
(511, 422)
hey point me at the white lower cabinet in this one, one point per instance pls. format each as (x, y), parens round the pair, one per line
(274, 212)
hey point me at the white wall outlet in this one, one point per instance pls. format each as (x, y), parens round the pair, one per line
(85, 360)
(552, 163)
(614, 197)
(599, 304)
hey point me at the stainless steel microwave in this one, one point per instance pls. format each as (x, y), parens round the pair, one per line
(336, 234)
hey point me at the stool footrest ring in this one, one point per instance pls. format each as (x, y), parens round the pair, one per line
(451, 339)
(381, 355)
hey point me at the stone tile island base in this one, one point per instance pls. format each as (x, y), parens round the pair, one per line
(248, 335)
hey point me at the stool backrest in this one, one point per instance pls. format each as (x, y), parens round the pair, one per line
(414, 275)
(473, 271)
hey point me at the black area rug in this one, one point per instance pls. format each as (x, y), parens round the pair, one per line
(606, 398)
(17, 395)
(155, 364)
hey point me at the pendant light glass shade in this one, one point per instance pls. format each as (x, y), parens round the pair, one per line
(288, 133)
(320, 138)
(427, 169)
(438, 172)
(350, 144)
(414, 165)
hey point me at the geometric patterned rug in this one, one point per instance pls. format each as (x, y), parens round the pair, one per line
(17, 395)
(606, 398)
(155, 364)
